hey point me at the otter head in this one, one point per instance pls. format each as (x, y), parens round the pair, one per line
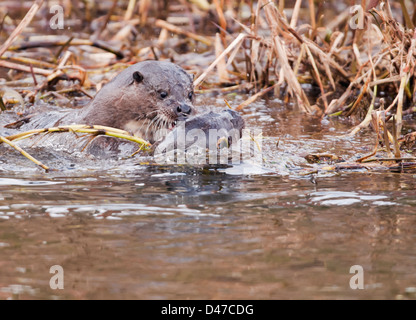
(146, 99)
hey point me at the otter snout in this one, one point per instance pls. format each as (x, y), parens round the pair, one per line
(183, 110)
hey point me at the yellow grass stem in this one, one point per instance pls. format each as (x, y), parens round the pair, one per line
(24, 153)
(94, 130)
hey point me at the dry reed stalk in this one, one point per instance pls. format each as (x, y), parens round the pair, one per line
(295, 15)
(201, 4)
(356, 52)
(107, 18)
(130, 8)
(318, 76)
(222, 20)
(372, 4)
(144, 7)
(312, 15)
(221, 66)
(335, 43)
(82, 128)
(384, 81)
(400, 101)
(244, 86)
(2, 106)
(299, 60)
(407, 19)
(22, 25)
(235, 44)
(24, 153)
(326, 59)
(163, 37)
(30, 61)
(370, 111)
(367, 119)
(386, 135)
(93, 130)
(35, 81)
(19, 67)
(172, 28)
(360, 96)
(58, 70)
(396, 146)
(376, 126)
(273, 16)
(390, 159)
(362, 74)
(281, 5)
(414, 14)
(74, 42)
(255, 97)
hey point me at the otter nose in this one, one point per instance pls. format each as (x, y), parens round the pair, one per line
(183, 109)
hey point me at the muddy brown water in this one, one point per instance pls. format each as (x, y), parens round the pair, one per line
(121, 229)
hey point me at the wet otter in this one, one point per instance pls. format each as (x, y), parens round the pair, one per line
(143, 99)
(199, 138)
(146, 99)
(205, 131)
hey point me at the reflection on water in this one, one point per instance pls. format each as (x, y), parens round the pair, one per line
(143, 231)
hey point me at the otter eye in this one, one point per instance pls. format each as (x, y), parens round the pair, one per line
(190, 95)
(163, 94)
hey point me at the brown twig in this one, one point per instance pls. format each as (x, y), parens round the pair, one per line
(19, 67)
(23, 24)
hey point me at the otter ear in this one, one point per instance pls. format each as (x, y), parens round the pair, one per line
(137, 76)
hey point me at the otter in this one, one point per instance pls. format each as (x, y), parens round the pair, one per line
(198, 139)
(144, 99)
(147, 99)
(204, 131)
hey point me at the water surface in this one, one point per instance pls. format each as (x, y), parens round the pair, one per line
(121, 229)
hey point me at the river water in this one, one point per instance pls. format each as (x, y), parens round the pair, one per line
(126, 229)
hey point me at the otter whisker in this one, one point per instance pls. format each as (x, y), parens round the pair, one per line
(146, 120)
(151, 124)
(160, 123)
(157, 123)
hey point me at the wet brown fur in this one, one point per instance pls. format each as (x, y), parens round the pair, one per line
(139, 106)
